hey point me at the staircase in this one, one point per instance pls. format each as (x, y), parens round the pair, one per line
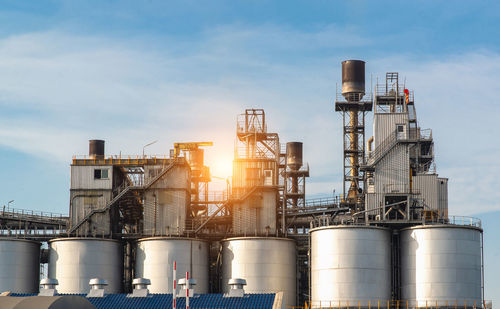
(123, 190)
(376, 155)
(224, 205)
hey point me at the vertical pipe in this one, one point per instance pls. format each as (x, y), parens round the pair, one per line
(174, 291)
(343, 161)
(353, 147)
(482, 266)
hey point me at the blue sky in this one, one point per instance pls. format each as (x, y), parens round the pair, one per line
(131, 72)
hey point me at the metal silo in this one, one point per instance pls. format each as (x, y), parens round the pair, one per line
(155, 257)
(440, 264)
(19, 265)
(74, 261)
(350, 265)
(267, 264)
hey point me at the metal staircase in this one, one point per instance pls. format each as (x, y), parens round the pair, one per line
(225, 204)
(378, 153)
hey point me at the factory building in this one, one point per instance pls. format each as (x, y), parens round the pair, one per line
(150, 228)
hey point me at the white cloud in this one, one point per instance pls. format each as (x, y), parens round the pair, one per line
(57, 90)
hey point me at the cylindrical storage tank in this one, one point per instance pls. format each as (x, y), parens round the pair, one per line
(440, 264)
(267, 264)
(350, 265)
(155, 257)
(74, 261)
(96, 149)
(19, 265)
(353, 77)
(294, 155)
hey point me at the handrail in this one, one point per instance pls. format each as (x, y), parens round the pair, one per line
(387, 144)
(322, 201)
(33, 213)
(120, 160)
(396, 303)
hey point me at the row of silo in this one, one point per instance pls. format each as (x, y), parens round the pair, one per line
(439, 264)
(267, 264)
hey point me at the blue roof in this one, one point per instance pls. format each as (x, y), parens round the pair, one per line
(199, 301)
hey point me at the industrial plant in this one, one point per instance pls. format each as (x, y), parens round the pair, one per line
(143, 228)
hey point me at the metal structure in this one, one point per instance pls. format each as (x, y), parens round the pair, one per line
(74, 261)
(267, 264)
(156, 255)
(295, 181)
(441, 264)
(402, 183)
(200, 177)
(387, 239)
(256, 167)
(19, 265)
(350, 264)
(353, 110)
(117, 194)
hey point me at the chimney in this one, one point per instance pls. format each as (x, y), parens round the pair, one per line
(48, 287)
(236, 287)
(140, 287)
(97, 286)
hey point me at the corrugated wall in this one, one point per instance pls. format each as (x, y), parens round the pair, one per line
(82, 177)
(443, 196)
(256, 215)
(384, 124)
(166, 203)
(427, 186)
(391, 175)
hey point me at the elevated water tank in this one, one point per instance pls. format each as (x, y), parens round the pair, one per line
(353, 78)
(350, 265)
(19, 265)
(74, 261)
(440, 264)
(155, 258)
(96, 149)
(267, 264)
(294, 155)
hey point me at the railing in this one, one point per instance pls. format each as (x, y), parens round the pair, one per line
(324, 201)
(31, 232)
(425, 134)
(119, 159)
(213, 196)
(397, 304)
(389, 90)
(254, 127)
(382, 148)
(465, 221)
(367, 97)
(25, 214)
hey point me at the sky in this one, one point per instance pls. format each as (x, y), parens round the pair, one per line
(132, 72)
